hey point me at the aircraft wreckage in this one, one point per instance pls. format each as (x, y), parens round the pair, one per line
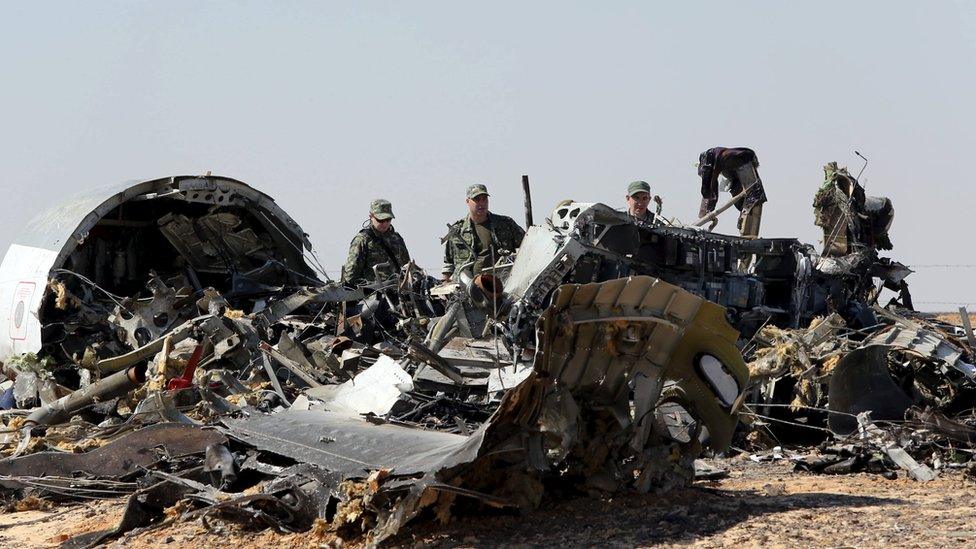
(177, 340)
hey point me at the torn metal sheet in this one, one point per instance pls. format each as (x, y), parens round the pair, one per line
(144, 320)
(239, 248)
(373, 391)
(122, 456)
(290, 365)
(850, 220)
(926, 343)
(917, 471)
(417, 351)
(704, 471)
(507, 377)
(598, 345)
(483, 353)
(343, 443)
(861, 382)
(602, 337)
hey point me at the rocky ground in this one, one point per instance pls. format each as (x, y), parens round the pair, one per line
(765, 505)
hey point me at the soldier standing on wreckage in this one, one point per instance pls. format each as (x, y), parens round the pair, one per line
(375, 244)
(738, 166)
(480, 237)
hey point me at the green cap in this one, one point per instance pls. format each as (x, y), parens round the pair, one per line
(381, 209)
(638, 187)
(477, 190)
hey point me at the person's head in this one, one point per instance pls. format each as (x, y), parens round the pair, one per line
(638, 197)
(477, 202)
(381, 215)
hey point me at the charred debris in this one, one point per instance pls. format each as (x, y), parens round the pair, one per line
(177, 341)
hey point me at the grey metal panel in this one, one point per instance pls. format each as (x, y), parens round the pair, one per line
(346, 444)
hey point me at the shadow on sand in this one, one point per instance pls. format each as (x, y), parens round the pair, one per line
(676, 517)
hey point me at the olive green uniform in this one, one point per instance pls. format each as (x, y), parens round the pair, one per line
(369, 248)
(467, 241)
(648, 219)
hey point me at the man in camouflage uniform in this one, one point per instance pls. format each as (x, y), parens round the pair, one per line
(480, 237)
(638, 198)
(378, 243)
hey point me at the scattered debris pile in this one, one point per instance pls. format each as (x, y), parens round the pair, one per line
(631, 378)
(897, 396)
(173, 344)
(233, 382)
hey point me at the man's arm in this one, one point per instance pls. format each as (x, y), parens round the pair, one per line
(352, 271)
(402, 253)
(709, 192)
(448, 269)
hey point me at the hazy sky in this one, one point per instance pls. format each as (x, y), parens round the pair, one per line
(327, 105)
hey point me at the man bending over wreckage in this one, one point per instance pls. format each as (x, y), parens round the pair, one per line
(737, 165)
(376, 247)
(480, 238)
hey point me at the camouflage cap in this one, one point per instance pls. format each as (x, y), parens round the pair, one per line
(477, 190)
(381, 209)
(638, 187)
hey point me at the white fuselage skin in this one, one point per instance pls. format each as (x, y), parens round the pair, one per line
(23, 278)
